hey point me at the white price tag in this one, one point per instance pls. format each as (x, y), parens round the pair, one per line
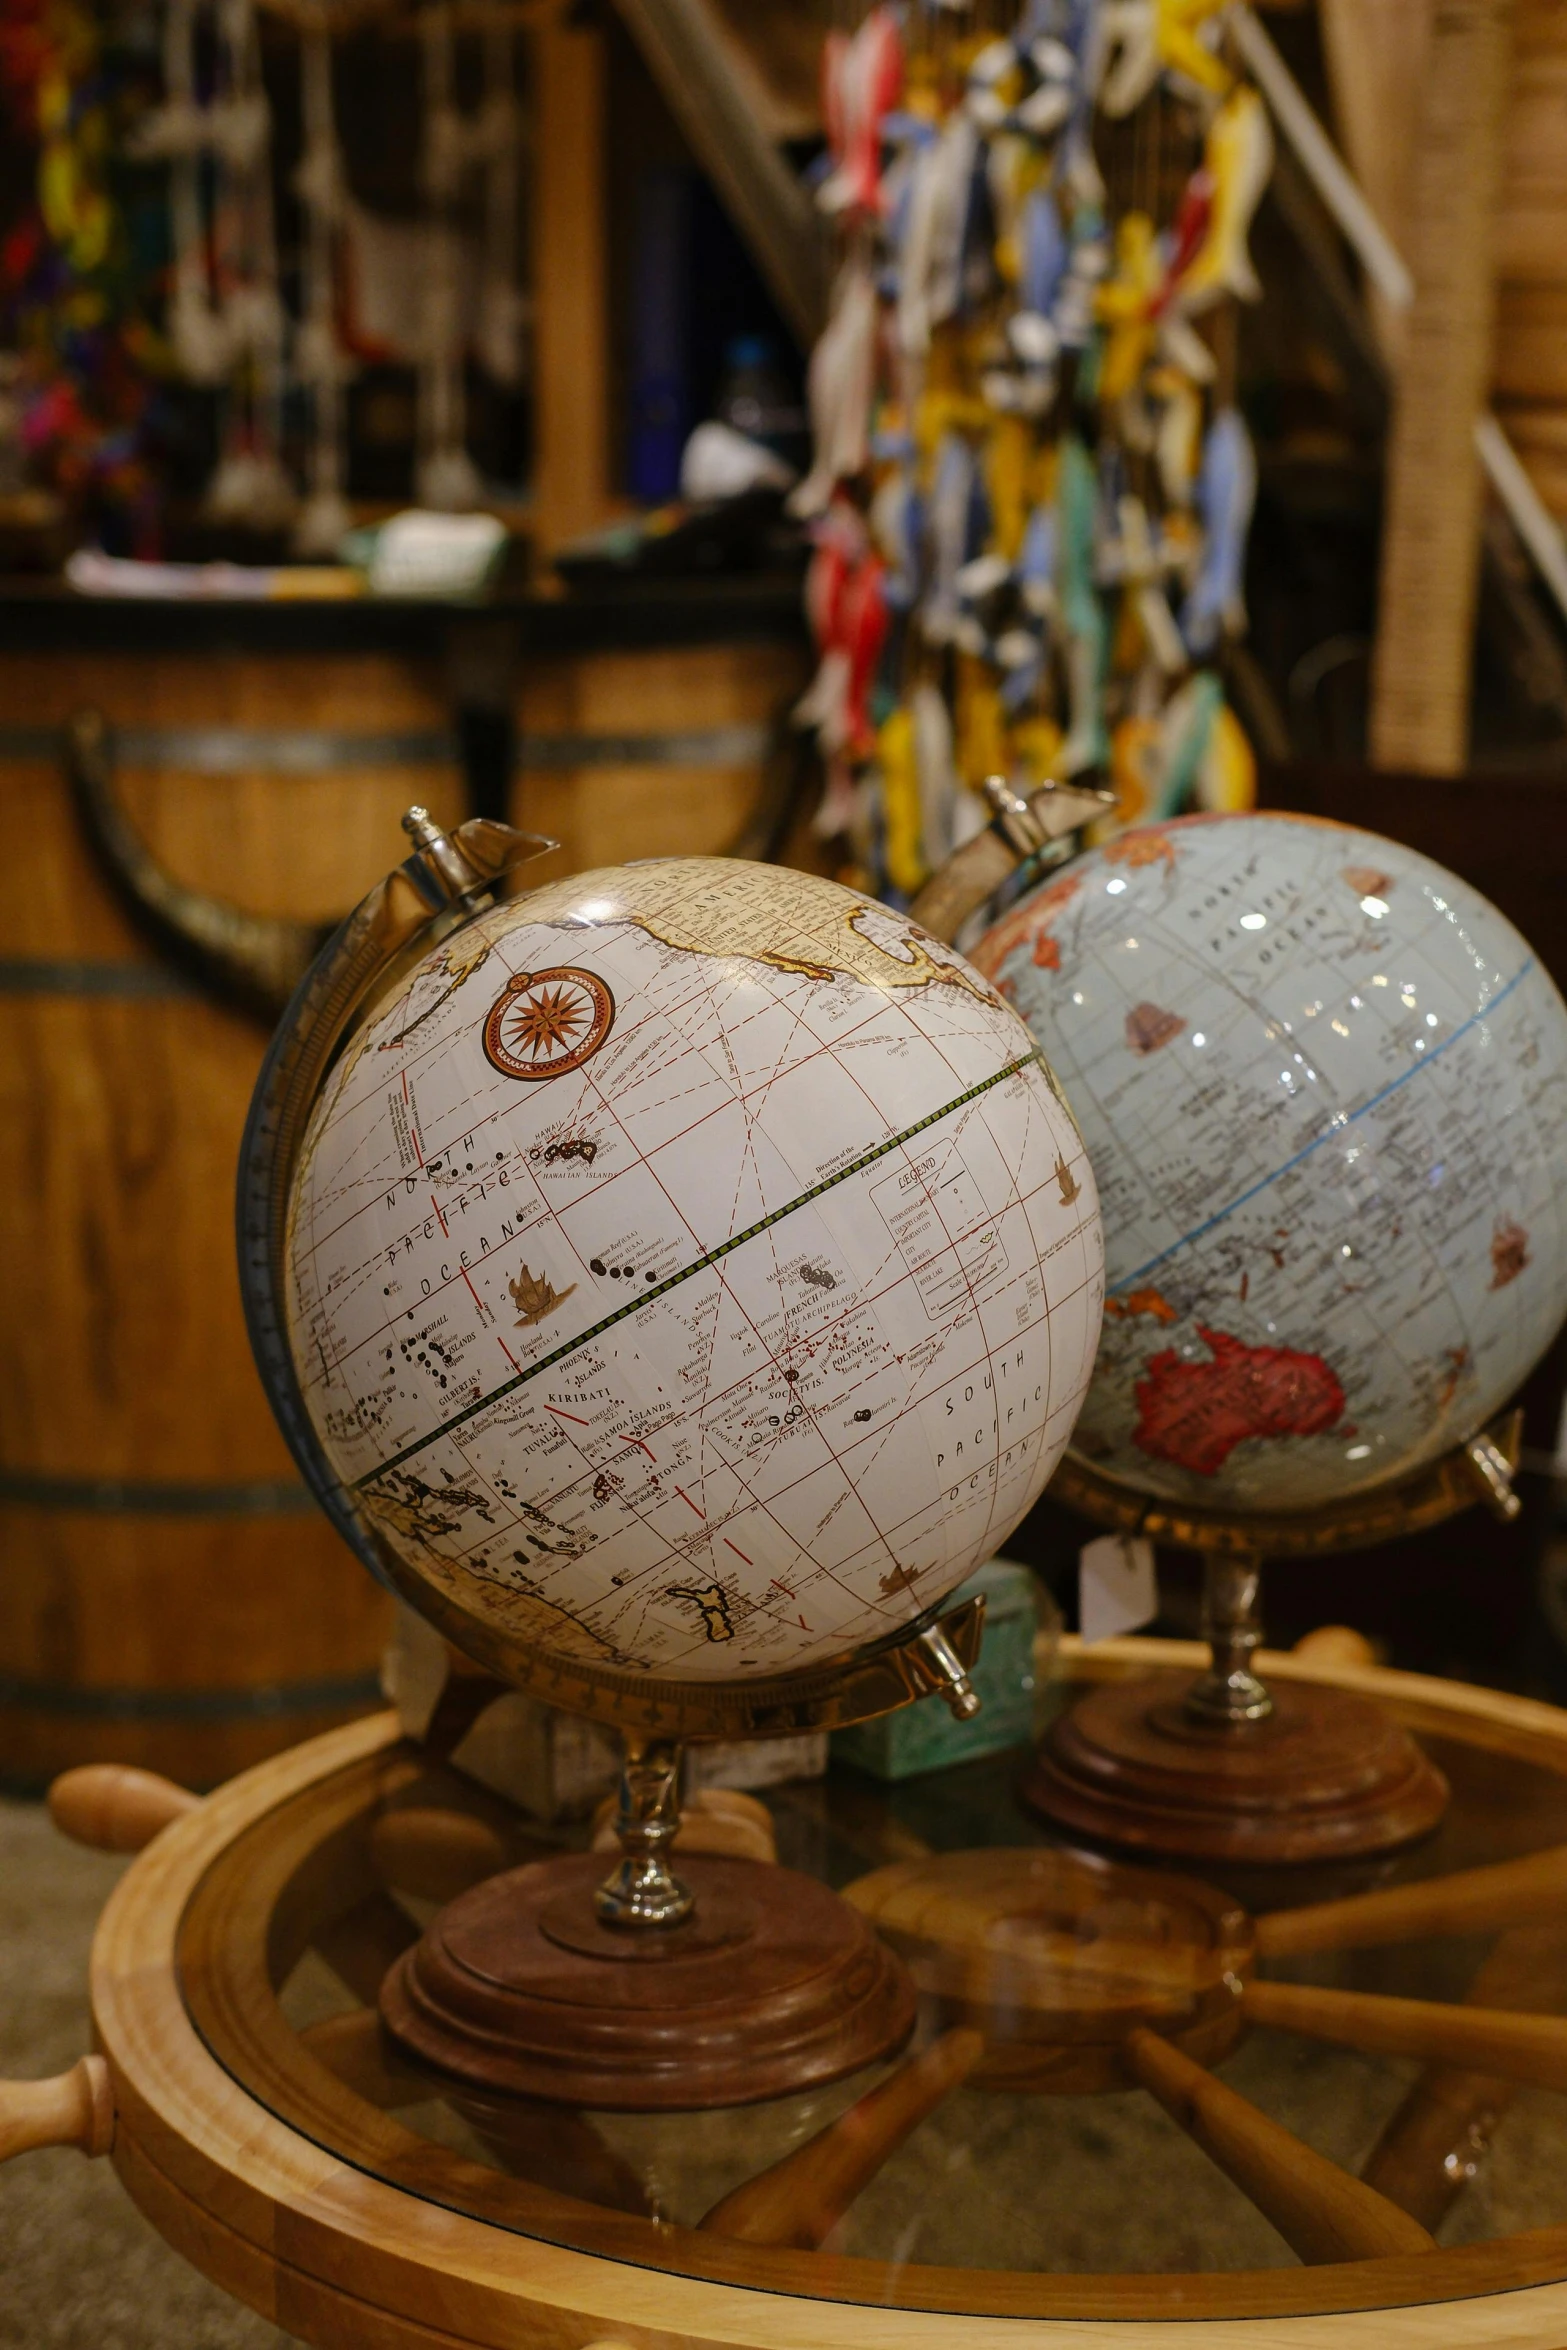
(1116, 1589)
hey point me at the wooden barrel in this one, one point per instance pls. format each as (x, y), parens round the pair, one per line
(169, 1595)
(648, 751)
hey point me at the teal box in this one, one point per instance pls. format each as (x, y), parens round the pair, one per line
(924, 1737)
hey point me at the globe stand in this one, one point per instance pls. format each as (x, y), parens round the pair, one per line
(654, 1992)
(648, 1991)
(1224, 1768)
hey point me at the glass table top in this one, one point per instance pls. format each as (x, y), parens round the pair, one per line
(285, 1940)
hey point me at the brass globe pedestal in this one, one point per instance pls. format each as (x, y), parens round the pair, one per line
(1223, 1768)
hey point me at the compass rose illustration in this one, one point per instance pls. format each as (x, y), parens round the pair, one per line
(547, 1022)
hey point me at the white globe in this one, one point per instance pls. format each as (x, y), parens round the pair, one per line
(1324, 1087)
(693, 1270)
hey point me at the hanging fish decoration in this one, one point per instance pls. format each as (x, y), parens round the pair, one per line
(839, 388)
(1237, 162)
(957, 526)
(1032, 485)
(1226, 494)
(902, 826)
(862, 75)
(941, 793)
(1084, 625)
(1147, 38)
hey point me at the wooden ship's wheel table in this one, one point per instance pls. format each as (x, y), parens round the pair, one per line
(262, 2122)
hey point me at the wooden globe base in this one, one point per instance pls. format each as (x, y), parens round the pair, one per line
(771, 1985)
(1327, 1776)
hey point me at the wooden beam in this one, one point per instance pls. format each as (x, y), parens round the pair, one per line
(1431, 533)
(1376, 61)
(713, 91)
(571, 467)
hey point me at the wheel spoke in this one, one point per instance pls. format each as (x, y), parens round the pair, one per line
(361, 2055)
(1526, 1892)
(1426, 2154)
(1322, 2212)
(803, 2197)
(434, 1852)
(1483, 2039)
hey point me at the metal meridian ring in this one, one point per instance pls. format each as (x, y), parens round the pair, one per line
(1423, 1499)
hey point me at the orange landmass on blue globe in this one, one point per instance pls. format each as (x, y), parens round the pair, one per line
(1195, 1414)
(1137, 1302)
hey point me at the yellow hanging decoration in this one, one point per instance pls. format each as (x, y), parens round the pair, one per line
(1129, 646)
(1175, 38)
(902, 843)
(1227, 775)
(1036, 746)
(1124, 303)
(1238, 156)
(74, 207)
(981, 734)
(1177, 440)
(938, 412)
(1135, 753)
(1008, 465)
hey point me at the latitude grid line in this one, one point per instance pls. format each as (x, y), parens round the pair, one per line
(880, 1534)
(626, 1033)
(1240, 996)
(820, 1569)
(1015, 1197)
(430, 1048)
(1048, 1332)
(745, 1090)
(691, 1003)
(979, 1363)
(713, 1256)
(1367, 1316)
(642, 1600)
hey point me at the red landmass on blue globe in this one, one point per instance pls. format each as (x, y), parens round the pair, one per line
(1195, 1414)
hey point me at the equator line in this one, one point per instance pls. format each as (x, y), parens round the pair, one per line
(725, 1248)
